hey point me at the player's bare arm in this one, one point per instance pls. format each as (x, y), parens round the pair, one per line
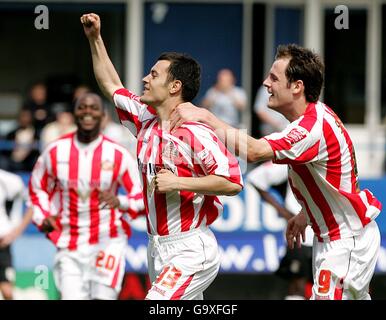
(105, 73)
(295, 232)
(166, 181)
(237, 141)
(269, 198)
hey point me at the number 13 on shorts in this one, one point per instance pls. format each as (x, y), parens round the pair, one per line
(168, 277)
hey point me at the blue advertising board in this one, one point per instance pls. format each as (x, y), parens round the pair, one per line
(250, 234)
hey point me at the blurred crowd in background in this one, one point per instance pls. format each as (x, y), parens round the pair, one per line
(40, 121)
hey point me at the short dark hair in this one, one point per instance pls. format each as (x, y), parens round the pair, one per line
(97, 98)
(184, 68)
(304, 65)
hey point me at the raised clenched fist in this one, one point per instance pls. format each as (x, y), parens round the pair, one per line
(91, 25)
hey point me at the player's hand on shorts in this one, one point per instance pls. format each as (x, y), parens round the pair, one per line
(295, 232)
(165, 181)
(185, 112)
(109, 198)
(49, 224)
(91, 25)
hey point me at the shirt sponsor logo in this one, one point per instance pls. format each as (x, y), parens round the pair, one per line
(295, 135)
(152, 169)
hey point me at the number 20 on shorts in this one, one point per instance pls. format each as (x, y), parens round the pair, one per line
(105, 261)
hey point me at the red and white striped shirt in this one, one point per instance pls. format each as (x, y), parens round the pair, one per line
(193, 150)
(66, 182)
(323, 173)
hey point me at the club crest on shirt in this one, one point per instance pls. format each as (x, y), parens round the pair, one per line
(296, 135)
(206, 157)
(107, 165)
(169, 151)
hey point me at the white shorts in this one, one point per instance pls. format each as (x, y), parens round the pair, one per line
(182, 266)
(343, 268)
(90, 272)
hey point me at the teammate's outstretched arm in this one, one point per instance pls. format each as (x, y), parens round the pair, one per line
(105, 73)
(236, 140)
(166, 181)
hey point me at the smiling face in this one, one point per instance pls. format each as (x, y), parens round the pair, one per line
(156, 84)
(278, 86)
(88, 114)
